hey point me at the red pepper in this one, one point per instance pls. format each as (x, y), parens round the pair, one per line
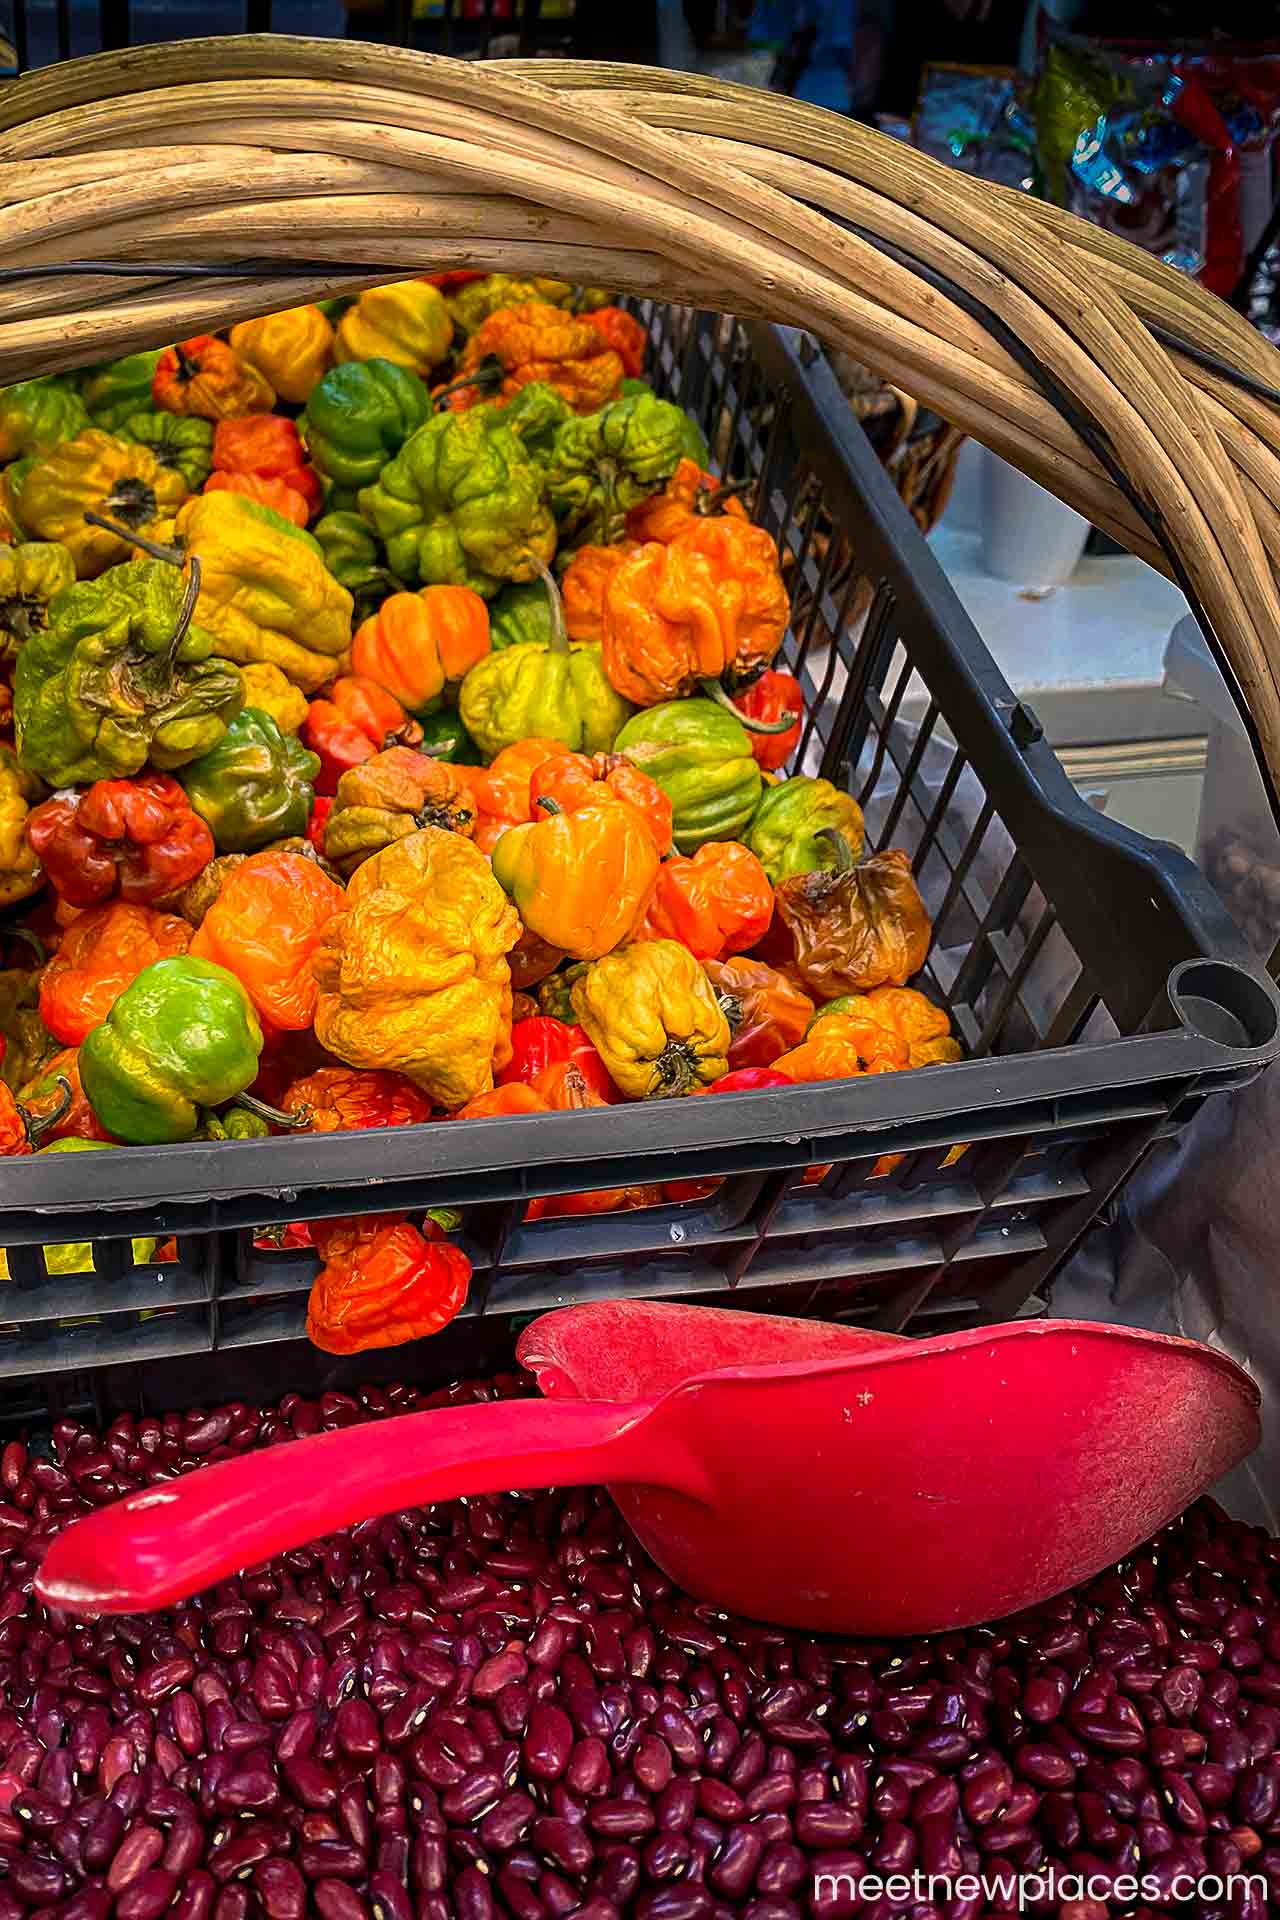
(268, 445)
(139, 838)
(449, 282)
(542, 1042)
(354, 720)
(624, 333)
(748, 1080)
(383, 1282)
(20, 1129)
(321, 808)
(772, 697)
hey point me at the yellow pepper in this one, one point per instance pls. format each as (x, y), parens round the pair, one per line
(268, 690)
(265, 592)
(20, 872)
(96, 473)
(293, 350)
(653, 1017)
(414, 975)
(406, 322)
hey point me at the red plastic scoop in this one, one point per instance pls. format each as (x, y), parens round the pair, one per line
(784, 1469)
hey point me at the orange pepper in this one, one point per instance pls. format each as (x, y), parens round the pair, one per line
(716, 901)
(519, 345)
(267, 490)
(842, 1047)
(79, 1121)
(264, 927)
(343, 1099)
(269, 445)
(623, 332)
(514, 1097)
(584, 585)
(352, 722)
(383, 1282)
(419, 645)
(573, 779)
(101, 952)
(501, 790)
(767, 1013)
(708, 604)
(203, 376)
(690, 495)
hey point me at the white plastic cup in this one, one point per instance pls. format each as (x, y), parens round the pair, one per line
(1029, 536)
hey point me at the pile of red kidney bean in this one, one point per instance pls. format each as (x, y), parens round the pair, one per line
(499, 1706)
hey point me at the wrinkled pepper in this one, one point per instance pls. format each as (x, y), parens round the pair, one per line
(264, 927)
(556, 692)
(118, 388)
(341, 1100)
(199, 894)
(359, 417)
(843, 1047)
(624, 333)
(710, 605)
(651, 1014)
(20, 1128)
(184, 445)
(266, 445)
(138, 839)
(43, 1094)
(471, 304)
(791, 832)
(37, 415)
(420, 646)
(21, 874)
(862, 926)
(382, 1283)
(774, 696)
(902, 1011)
(182, 1036)
(95, 473)
(413, 976)
(206, 377)
(27, 1042)
(690, 495)
(357, 719)
(271, 691)
(581, 880)
(701, 758)
(501, 790)
(603, 464)
(555, 995)
(541, 1042)
(462, 504)
(585, 583)
(716, 902)
(517, 346)
(100, 953)
(391, 795)
(573, 779)
(121, 676)
(354, 558)
(265, 490)
(406, 322)
(292, 350)
(535, 415)
(255, 785)
(265, 592)
(767, 1013)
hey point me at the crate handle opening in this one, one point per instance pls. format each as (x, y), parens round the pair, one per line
(1220, 1001)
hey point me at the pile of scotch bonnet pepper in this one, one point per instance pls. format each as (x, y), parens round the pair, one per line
(391, 736)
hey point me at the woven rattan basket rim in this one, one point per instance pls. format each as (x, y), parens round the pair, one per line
(339, 164)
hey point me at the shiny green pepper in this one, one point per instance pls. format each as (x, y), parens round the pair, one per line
(445, 738)
(520, 615)
(119, 677)
(237, 1123)
(354, 558)
(359, 416)
(182, 1036)
(38, 414)
(117, 388)
(536, 413)
(787, 833)
(701, 758)
(604, 463)
(462, 505)
(255, 786)
(551, 692)
(181, 442)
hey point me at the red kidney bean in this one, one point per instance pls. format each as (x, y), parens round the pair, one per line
(548, 1741)
(334, 1900)
(141, 1848)
(37, 1883)
(147, 1897)
(474, 1796)
(588, 1768)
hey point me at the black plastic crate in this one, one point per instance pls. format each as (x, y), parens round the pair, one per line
(1098, 988)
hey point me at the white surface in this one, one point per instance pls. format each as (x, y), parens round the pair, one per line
(1029, 536)
(1107, 627)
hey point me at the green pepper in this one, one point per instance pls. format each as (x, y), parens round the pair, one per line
(470, 306)
(787, 833)
(445, 738)
(38, 414)
(182, 1036)
(537, 413)
(462, 505)
(183, 443)
(31, 576)
(354, 558)
(255, 785)
(551, 692)
(554, 994)
(604, 463)
(701, 758)
(117, 388)
(120, 677)
(520, 615)
(359, 416)
(237, 1123)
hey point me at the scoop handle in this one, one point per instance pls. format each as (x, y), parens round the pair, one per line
(167, 1542)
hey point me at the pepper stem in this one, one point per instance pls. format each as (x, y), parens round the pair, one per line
(487, 377)
(559, 641)
(714, 691)
(292, 1122)
(709, 500)
(153, 547)
(551, 806)
(845, 861)
(174, 558)
(37, 1124)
